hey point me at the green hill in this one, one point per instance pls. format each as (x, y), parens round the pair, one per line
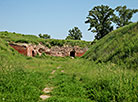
(21, 38)
(7, 53)
(119, 46)
(22, 78)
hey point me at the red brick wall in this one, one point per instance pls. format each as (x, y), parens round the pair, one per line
(79, 54)
(20, 49)
(55, 51)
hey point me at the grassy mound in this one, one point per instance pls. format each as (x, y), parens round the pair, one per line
(119, 46)
(22, 79)
(21, 38)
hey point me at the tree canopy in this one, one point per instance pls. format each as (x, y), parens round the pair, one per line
(123, 16)
(102, 17)
(74, 34)
(99, 19)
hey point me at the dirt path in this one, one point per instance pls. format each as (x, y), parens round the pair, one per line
(47, 90)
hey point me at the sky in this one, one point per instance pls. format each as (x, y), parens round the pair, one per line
(53, 17)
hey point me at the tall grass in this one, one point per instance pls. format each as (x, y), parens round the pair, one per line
(119, 46)
(81, 81)
(91, 82)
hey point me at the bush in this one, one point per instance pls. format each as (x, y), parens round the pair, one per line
(22, 41)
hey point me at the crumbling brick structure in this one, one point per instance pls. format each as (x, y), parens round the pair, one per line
(33, 50)
(24, 49)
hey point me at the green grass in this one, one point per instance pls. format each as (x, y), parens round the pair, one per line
(23, 78)
(82, 81)
(119, 46)
(21, 38)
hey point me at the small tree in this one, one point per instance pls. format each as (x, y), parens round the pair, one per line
(99, 19)
(74, 34)
(69, 38)
(123, 16)
(44, 36)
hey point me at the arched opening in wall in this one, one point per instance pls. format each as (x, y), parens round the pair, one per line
(33, 53)
(72, 53)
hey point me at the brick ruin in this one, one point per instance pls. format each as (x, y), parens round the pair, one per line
(33, 50)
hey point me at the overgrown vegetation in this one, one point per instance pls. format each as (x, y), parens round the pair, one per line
(109, 75)
(85, 82)
(119, 46)
(74, 80)
(21, 38)
(44, 36)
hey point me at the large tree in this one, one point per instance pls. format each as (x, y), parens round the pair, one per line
(99, 19)
(74, 34)
(123, 16)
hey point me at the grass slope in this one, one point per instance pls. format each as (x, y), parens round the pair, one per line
(14, 37)
(22, 79)
(119, 46)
